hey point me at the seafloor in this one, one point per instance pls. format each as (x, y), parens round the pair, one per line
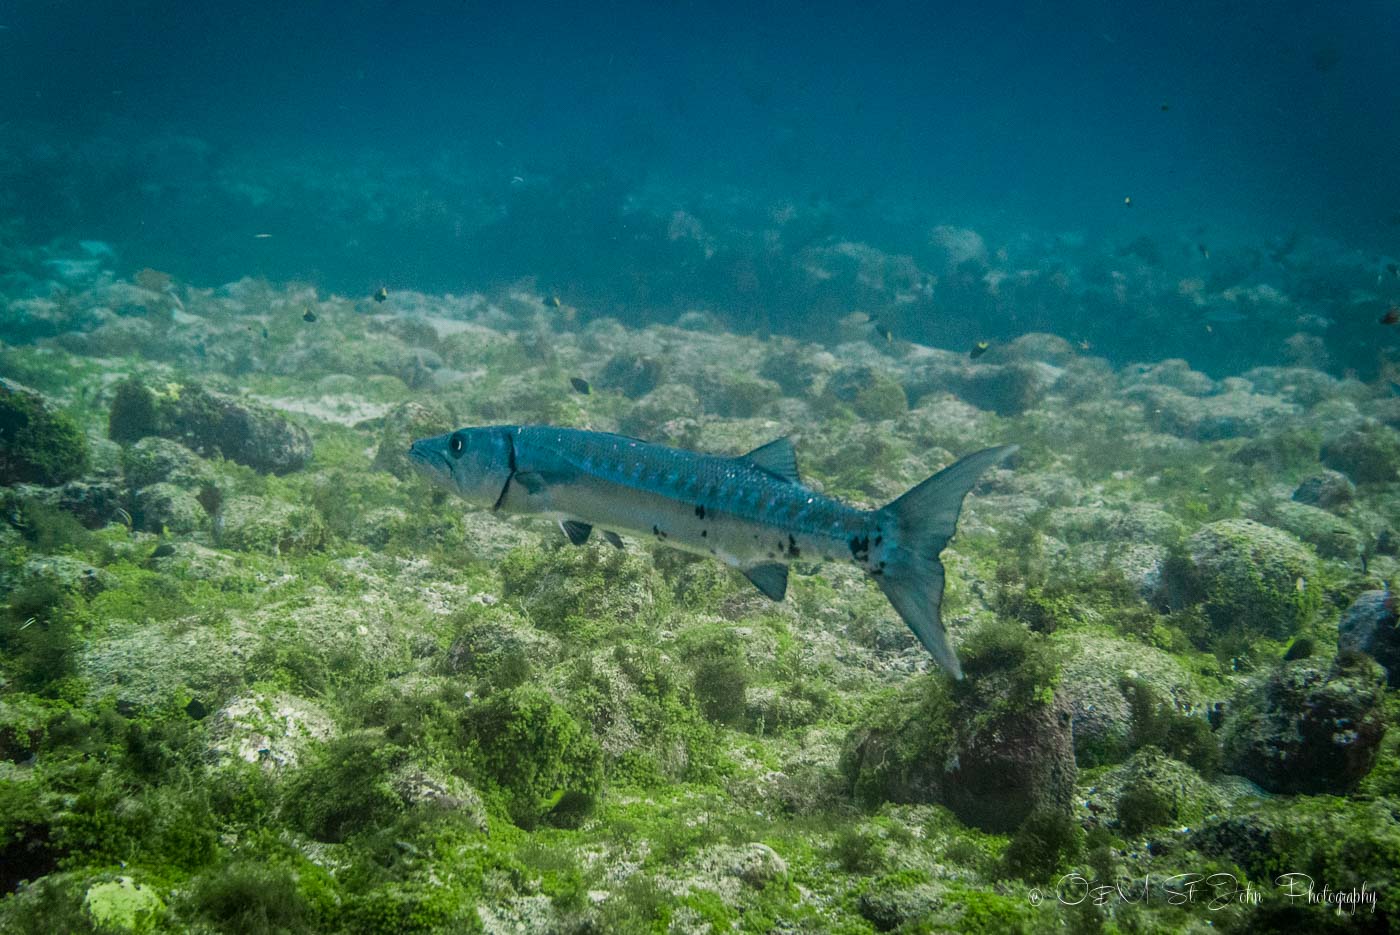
(256, 676)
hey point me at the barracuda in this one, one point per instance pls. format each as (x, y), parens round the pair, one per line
(751, 512)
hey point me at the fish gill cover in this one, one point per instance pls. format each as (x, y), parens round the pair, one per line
(256, 675)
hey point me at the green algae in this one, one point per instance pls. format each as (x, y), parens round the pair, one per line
(592, 739)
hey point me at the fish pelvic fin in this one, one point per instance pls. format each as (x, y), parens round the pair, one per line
(925, 518)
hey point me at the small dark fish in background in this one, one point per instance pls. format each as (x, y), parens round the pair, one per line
(1391, 316)
(1165, 107)
(554, 300)
(1393, 269)
(978, 349)
(381, 294)
(581, 385)
(264, 334)
(308, 316)
(1301, 648)
(884, 332)
(1205, 251)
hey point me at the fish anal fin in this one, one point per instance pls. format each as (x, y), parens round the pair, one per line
(777, 457)
(771, 579)
(577, 532)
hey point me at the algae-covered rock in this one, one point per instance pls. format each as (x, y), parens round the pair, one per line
(735, 393)
(666, 414)
(1330, 535)
(169, 508)
(94, 501)
(1367, 456)
(275, 527)
(1370, 625)
(1307, 729)
(37, 445)
(1252, 578)
(995, 748)
(1343, 844)
(632, 375)
(1006, 389)
(1327, 490)
(405, 424)
(870, 392)
(1227, 415)
(63, 572)
(1158, 791)
(494, 644)
(273, 731)
(156, 460)
(213, 424)
(572, 590)
(123, 905)
(1101, 679)
(536, 755)
(442, 792)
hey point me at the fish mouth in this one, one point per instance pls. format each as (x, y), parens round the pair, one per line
(425, 459)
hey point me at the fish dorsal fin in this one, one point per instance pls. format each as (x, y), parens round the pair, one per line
(771, 579)
(577, 532)
(776, 457)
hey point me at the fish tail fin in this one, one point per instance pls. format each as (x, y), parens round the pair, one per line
(923, 521)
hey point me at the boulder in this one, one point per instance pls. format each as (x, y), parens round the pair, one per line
(37, 445)
(212, 424)
(1252, 578)
(1326, 490)
(1307, 729)
(1366, 456)
(1370, 626)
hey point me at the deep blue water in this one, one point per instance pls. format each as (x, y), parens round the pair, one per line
(452, 146)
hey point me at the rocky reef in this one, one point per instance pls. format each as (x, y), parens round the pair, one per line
(256, 676)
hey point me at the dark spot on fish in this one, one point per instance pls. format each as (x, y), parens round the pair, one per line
(860, 548)
(700, 510)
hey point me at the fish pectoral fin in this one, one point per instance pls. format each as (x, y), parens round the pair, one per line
(577, 532)
(778, 458)
(771, 579)
(532, 481)
(613, 538)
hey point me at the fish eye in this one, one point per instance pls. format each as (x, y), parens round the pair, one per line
(456, 445)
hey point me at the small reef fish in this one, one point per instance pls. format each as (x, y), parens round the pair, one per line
(1204, 251)
(381, 294)
(1393, 269)
(1391, 316)
(978, 349)
(751, 512)
(308, 316)
(580, 385)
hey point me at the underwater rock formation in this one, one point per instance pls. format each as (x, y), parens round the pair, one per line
(211, 423)
(1309, 729)
(37, 445)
